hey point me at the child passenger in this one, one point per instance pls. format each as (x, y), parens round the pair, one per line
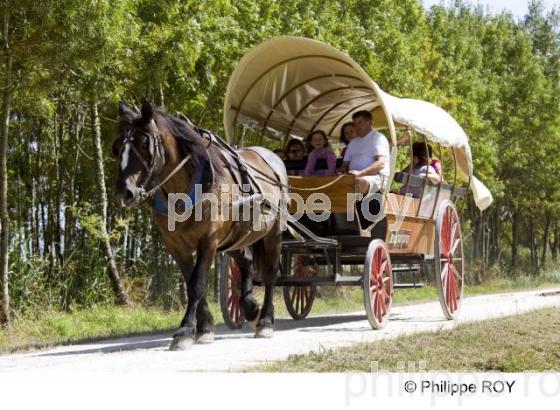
(321, 150)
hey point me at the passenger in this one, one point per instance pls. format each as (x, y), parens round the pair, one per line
(347, 133)
(321, 150)
(436, 165)
(280, 153)
(406, 136)
(295, 151)
(420, 167)
(367, 156)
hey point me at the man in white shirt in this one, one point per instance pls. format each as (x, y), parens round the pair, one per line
(367, 155)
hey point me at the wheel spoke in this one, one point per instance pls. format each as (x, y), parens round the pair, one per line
(445, 234)
(453, 231)
(383, 267)
(444, 271)
(453, 294)
(455, 245)
(376, 307)
(447, 290)
(235, 314)
(305, 299)
(456, 273)
(379, 309)
(387, 295)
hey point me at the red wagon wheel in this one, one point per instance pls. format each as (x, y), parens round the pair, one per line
(230, 293)
(299, 299)
(449, 259)
(378, 284)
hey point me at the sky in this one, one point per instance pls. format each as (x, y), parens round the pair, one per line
(517, 7)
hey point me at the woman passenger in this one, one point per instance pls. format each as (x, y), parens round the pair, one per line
(420, 167)
(295, 151)
(347, 133)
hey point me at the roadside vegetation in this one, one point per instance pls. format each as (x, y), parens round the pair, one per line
(46, 328)
(496, 74)
(512, 344)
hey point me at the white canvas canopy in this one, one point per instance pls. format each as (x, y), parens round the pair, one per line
(290, 86)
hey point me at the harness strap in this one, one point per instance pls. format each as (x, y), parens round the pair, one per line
(160, 202)
(246, 178)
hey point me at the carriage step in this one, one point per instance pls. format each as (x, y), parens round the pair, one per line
(348, 280)
(308, 244)
(305, 281)
(337, 280)
(412, 268)
(407, 285)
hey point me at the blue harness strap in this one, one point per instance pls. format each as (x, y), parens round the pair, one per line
(160, 202)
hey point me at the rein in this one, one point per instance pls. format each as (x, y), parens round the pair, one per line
(262, 176)
(151, 192)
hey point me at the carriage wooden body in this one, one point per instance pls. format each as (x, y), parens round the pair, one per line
(286, 88)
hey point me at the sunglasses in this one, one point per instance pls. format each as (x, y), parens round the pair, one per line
(295, 151)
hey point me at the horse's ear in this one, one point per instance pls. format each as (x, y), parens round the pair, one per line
(125, 112)
(147, 112)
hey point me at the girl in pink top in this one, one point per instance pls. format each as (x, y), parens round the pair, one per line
(436, 165)
(321, 150)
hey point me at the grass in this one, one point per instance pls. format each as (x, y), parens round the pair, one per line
(50, 328)
(513, 344)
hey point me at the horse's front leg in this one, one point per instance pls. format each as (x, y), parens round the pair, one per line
(196, 286)
(204, 320)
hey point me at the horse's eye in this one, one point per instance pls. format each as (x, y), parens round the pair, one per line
(146, 143)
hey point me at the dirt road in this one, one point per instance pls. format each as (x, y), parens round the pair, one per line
(234, 350)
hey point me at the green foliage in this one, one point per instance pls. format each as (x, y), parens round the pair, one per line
(500, 78)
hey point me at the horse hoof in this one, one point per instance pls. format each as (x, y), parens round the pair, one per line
(253, 323)
(264, 333)
(205, 338)
(181, 343)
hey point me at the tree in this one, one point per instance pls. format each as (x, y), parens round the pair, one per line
(4, 216)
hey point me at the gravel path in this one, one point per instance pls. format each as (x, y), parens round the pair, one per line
(235, 350)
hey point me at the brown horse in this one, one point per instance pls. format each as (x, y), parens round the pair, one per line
(157, 155)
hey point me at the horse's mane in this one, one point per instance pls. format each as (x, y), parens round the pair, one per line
(189, 140)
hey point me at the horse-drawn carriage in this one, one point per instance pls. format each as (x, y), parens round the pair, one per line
(288, 87)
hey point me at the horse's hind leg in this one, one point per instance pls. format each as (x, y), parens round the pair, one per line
(249, 305)
(269, 248)
(204, 323)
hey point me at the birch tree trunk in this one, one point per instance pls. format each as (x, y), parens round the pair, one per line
(514, 239)
(112, 270)
(4, 216)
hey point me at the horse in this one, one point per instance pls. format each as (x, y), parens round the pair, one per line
(159, 155)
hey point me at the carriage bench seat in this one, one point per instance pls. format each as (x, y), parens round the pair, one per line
(336, 187)
(416, 181)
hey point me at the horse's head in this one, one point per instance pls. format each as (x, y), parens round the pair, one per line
(139, 152)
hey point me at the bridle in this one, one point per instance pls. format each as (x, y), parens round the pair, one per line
(156, 148)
